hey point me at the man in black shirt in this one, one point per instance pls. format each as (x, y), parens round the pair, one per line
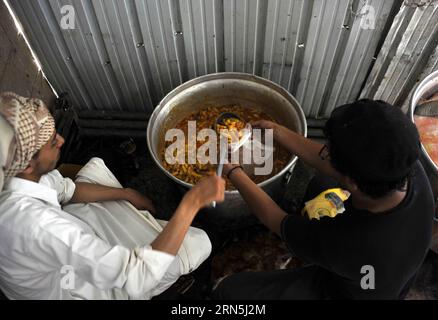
(372, 250)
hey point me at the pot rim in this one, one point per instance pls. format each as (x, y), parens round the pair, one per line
(216, 76)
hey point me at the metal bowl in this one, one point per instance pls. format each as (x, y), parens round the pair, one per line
(226, 89)
(426, 88)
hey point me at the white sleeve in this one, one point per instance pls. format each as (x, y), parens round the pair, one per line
(62, 242)
(65, 187)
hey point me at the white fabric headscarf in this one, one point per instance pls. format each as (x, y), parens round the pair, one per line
(32, 127)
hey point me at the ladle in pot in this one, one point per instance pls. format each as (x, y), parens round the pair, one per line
(234, 146)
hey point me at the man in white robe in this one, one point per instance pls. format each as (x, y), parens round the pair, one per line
(87, 239)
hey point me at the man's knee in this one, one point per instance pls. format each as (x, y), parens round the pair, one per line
(198, 245)
(203, 241)
(96, 171)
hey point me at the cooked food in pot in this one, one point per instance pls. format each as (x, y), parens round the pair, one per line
(428, 129)
(206, 118)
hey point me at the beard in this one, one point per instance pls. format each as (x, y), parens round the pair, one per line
(48, 167)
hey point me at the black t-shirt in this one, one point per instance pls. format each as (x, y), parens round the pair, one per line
(394, 243)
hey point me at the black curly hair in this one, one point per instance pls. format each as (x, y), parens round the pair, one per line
(374, 144)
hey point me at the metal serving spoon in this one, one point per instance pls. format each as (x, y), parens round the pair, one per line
(234, 147)
(229, 115)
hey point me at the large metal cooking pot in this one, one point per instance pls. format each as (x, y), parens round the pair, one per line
(424, 90)
(227, 89)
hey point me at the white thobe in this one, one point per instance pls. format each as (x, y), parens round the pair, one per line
(84, 251)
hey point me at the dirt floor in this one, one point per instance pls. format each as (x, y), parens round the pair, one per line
(244, 245)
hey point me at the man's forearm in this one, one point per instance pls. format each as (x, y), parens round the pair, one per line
(306, 149)
(172, 236)
(88, 193)
(260, 204)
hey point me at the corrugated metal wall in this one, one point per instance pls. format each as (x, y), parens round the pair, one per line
(408, 55)
(18, 72)
(127, 54)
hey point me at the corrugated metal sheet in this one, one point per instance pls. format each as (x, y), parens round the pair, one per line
(127, 54)
(409, 54)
